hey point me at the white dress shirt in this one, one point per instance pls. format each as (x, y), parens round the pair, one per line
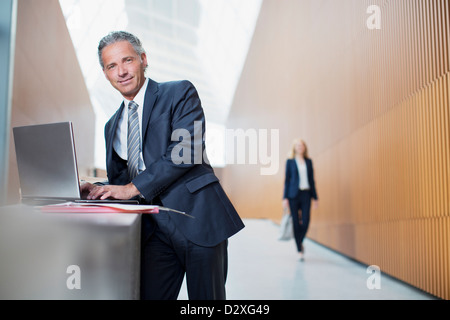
(303, 175)
(121, 138)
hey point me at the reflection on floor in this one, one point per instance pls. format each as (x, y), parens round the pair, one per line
(263, 268)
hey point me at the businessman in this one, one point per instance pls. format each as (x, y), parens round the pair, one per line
(141, 148)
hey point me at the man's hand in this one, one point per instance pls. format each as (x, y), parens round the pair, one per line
(86, 188)
(112, 192)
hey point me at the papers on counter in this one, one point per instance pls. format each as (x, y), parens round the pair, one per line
(72, 207)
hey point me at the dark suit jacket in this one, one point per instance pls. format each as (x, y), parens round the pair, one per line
(189, 187)
(292, 179)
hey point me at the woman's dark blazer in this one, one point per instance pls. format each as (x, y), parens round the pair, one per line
(292, 179)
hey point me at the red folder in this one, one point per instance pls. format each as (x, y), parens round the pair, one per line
(72, 207)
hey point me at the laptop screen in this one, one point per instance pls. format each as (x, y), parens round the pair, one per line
(46, 161)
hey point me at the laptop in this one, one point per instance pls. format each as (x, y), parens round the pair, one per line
(47, 165)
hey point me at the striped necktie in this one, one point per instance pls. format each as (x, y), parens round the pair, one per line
(134, 140)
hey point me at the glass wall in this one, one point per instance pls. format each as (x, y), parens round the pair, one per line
(203, 41)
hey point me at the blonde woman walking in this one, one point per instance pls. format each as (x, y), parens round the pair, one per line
(299, 191)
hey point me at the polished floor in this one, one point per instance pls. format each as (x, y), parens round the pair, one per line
(263, 268)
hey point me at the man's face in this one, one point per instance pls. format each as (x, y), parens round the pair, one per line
(124, 68)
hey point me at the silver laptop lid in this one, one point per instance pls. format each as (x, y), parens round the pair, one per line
(46, 161)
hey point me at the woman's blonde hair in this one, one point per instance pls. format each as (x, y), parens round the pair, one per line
(291, 154)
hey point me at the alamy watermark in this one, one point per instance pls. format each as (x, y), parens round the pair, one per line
(374, 280)
(374, 20)
(74, 280)
(251, 146)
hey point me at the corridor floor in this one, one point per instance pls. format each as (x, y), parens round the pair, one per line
(263, 268)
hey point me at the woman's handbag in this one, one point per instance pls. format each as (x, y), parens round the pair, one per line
(286, 228)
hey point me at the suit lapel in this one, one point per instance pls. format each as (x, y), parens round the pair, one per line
(295, 167)
(112, 131)
(151, 95)
(309, 168)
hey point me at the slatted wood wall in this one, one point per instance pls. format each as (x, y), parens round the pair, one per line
(373, 106)
(391, 196)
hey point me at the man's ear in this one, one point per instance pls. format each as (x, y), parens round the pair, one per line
(144, 60)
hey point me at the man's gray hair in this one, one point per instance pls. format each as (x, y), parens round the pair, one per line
(117, 36)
